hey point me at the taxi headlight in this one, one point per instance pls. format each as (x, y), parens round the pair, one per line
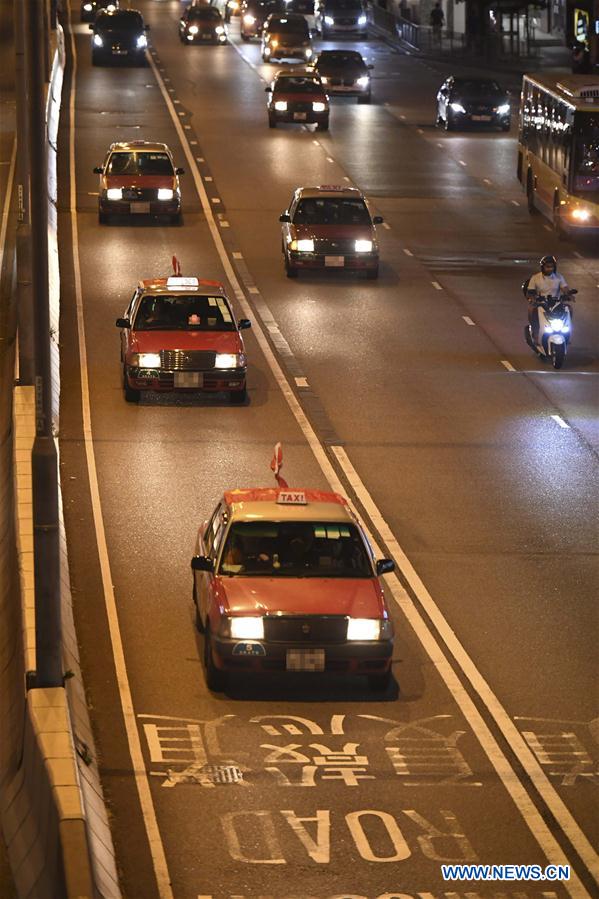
(363, 246)
(193, 29)
(219, 29)
(363, 81)
(363, 629)
(581, 215)
(329, 20)
(98, 42)
(247, 628)
(87, 7)
(308, 53)
(305, 245)
(503, 109)
(281, 105)
(146, 360)
(362, 20)
(142, 42)
(274, 43)
(249, 20)
(229, 360)
(318, 107)
(165, 193)
(114, 193)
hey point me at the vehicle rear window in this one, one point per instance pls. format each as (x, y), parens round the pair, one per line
(294, 549)
(289, 85)
(132, 163)
(184, 313)
(331, 211)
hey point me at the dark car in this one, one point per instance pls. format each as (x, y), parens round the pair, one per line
(254, 14)
(341, 17)
(344, 72)
(90, 8)
(119, 36)
(202, 25)
(297, 95)
(473, 101)
(286, 37)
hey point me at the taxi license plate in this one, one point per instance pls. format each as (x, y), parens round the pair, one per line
(334, 261)
(189, 379)
(119, 52)
(206, 37)
(305, 660)
(140, 208)
(299, 116)
(481, 118)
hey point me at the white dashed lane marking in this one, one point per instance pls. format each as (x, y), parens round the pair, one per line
(560, 421)
(237, 255)
(301, 382)
(468, 320)
(407, 252)
(436, 285)
(514, 202)
(387, 226)
(507, 365)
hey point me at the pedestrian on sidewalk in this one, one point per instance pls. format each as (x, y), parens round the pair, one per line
(581, 59)
(437, 20)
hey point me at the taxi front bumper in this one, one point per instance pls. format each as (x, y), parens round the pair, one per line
(140, 207)
(212, 381)
(355, 261)
(364, 658)
(300, 117)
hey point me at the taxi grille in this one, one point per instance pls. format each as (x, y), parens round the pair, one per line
(346, 22)
(140, 193)
(341, 247)
(187, 360)
(311, 630)
(299, 106)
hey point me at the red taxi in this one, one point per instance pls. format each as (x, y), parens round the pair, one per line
(296, 95)
(139, 178)
(180, 334)
(285, 580)
(329, 227)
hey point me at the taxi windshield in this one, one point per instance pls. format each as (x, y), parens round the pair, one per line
(289, 84)
(331, 211)
(131, 163)
(184, 313)
(294, 549)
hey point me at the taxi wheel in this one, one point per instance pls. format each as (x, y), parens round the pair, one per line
(323, 126)
(131, 395)
(175, 218)
(372, 273)
(103, 218)
(215, 680)
(238, 396)
(290, 270)
(365, 99)
(272, 122)
(379, 683)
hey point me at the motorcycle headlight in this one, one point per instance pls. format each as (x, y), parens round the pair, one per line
(457, 107)
(503, 109)
(363, 629)
(229, 360)
(114, 193)
(98, 42)
(363, 246)
(281, 105)
(145, 360)
(142, 42)
(556, 325)
(306, 245)
(219, 29)
(165, 193)
(363, 81)
(318, 107)
(249, 20)
(362, 20)
(246, 628)
(193, 29)
(329, 20)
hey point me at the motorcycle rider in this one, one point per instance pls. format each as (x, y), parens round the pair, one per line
(547, 282)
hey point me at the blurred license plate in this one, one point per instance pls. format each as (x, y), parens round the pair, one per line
(299, 116)
(189, 379)
(119, 52)
(206, 37)
(305, 660)
(140, 207)
(334, 261)
(481, 118)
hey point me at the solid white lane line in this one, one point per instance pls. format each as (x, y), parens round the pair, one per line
(468, 320)
(511, 782)
(509, 777)
(6, 208)
(407, 252)
(139, 769)
(560, 421)
(507, 365)
(436, 285)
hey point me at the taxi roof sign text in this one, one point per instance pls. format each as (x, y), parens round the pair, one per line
(292, 498)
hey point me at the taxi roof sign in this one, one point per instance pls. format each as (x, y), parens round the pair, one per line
(292, 498)
(175, 282)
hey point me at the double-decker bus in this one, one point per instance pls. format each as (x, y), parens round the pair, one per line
(558, 150)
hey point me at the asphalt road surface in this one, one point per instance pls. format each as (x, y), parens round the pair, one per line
(473, 465)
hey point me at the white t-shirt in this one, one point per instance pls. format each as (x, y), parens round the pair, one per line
(548, 285)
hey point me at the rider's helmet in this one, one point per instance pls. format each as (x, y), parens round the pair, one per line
(548, 262)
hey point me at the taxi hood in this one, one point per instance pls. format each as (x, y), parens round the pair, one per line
(145, 181)
(328, 232)
(356, 597)
(154, 341)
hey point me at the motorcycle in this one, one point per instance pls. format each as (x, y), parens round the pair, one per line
(555, 327)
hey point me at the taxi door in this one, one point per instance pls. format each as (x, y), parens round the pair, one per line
(211, 541)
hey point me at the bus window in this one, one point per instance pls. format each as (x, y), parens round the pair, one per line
(586, 155)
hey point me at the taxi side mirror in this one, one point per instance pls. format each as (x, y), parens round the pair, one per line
(91, 26)
(123, 323)
(202, 563)
(244, 323)
(384, 566)
(268, 90)
(285, 217)
(179, 171)
(99, 170)
(377, 220)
